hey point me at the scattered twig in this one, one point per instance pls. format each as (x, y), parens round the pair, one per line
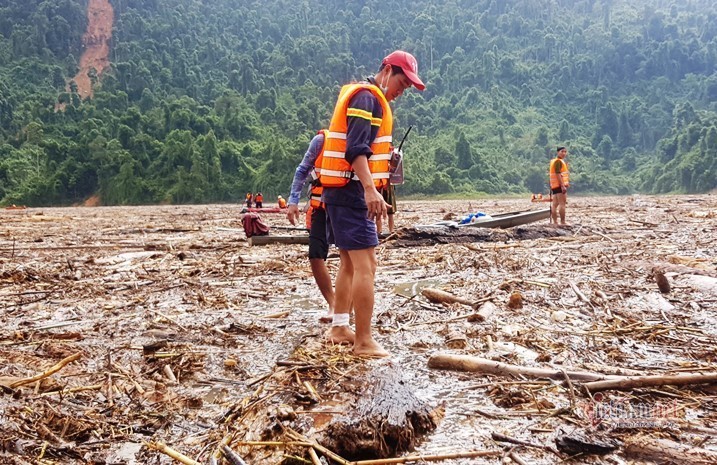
(52, 370)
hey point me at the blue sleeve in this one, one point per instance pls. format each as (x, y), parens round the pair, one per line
(360, 131)
(305, 167)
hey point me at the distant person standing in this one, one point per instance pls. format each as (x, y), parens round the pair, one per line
(389, 196)
(318, 244)
(355, 166)
(559, 184)
(248, 199)
(258, 200)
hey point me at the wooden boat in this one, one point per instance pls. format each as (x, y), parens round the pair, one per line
(509, 220)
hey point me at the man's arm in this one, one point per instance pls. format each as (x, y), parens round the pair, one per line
(362, 127)
(304, 168)
(300, 175)
(377, 207)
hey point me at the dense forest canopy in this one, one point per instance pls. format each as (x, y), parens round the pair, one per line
(206, 100)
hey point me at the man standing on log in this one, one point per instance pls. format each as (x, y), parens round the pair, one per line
(559, 183)
(355, 166)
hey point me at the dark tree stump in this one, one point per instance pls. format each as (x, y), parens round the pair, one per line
(387, 420)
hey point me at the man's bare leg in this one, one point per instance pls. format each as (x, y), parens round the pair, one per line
(391, 225)
(342, 301)
(561, 207)
(364, 270)
(323, 281)
(554, 209)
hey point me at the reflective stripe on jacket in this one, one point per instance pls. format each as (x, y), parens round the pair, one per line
(316, 187)
(554, 181)
(336, 171)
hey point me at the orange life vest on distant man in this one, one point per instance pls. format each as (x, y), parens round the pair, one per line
(316, 187)
(335, 170)
(554, 181)
(259, 198)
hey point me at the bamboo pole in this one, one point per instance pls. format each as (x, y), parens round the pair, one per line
(651, 381)
(168, 451)
(483, 365)
(431, 458)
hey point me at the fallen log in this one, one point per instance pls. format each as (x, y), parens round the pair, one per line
(627, 383)
(270, 239)
(373, 415)
(486, 366)
(666, 451)
(387, 419)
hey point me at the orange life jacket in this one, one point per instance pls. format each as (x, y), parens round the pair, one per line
(259, 198)
(554, 181)
(335, 170)
(282, 203)
(316, 187)
(309, 212)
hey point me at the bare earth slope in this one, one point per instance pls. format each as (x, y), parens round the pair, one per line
(96, 44)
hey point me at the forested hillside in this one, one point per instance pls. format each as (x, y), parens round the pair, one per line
(206, 100)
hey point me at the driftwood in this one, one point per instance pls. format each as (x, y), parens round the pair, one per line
(666, 451)
(178, 456)
(486, 366)
(651, 381)
(580, 442)
(270, 239)
(388, 419)
(14, 382)
(442, 297)
(484, 312)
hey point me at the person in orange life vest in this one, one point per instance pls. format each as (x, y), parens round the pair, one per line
(316, 218)
(355, 166)
(281, 201)
(559, 183)
(258, 200)
(248, 199)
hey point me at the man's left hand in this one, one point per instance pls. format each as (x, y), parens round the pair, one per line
(292, 214)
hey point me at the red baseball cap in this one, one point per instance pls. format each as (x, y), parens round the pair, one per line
(408, 64)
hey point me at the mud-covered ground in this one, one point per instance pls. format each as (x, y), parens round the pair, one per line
(147, 294)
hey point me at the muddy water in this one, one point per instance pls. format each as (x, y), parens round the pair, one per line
(123, 278)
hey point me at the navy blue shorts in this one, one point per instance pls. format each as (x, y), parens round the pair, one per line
(318, 242)
(349, 228)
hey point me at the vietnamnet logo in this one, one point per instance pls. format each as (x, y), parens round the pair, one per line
(625, 413)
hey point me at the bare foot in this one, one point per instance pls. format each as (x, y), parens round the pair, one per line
(340, 335)
(370, 348)
(328, 318)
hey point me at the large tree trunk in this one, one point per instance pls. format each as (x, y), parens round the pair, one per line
(356, 408)
(387, 419)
